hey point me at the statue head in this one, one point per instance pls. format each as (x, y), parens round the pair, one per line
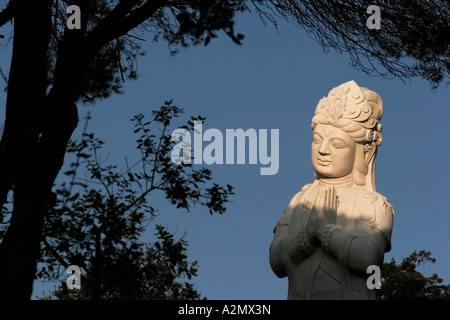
(346, 134)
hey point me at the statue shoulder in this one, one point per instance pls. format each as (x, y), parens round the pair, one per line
(285, 217)
(298, 196)
(378, 200)
(385, 205)
(305, 187)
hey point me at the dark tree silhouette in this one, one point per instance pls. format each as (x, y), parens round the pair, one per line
(413, 39)
(404, 282)
(157, 272)
(53, 68)
(102, 212)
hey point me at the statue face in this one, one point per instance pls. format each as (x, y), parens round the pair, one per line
(332, 152)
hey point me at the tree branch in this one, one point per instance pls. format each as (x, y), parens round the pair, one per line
(119, 23)
(7, 14)
(114, 16)
(55, 254)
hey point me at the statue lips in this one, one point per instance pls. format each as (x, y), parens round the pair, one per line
(323, 162)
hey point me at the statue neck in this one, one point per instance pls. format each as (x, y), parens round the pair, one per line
(346, 181)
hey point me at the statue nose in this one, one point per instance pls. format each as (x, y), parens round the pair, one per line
(323, 150)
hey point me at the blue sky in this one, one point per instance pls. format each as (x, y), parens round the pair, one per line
(274, 81)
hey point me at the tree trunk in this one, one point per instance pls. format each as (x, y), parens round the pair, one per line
(37, 129)
(38, 126)
(26, 94)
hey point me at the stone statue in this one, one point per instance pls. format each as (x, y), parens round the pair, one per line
(336, 227)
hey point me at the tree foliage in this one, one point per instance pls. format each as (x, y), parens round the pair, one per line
(413, 40)
(103, 217)
(57, 67)
(155, 272)
(403, 281)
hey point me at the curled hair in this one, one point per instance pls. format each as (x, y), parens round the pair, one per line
(357, 111)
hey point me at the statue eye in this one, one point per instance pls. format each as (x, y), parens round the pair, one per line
(316, 139)
(339, 144)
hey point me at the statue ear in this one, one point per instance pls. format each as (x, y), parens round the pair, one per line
(360, 162)
(360, 168)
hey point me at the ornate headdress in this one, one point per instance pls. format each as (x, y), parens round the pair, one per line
(357, 111)
(352, 109)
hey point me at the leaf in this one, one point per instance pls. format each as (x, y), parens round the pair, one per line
(207, 40)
